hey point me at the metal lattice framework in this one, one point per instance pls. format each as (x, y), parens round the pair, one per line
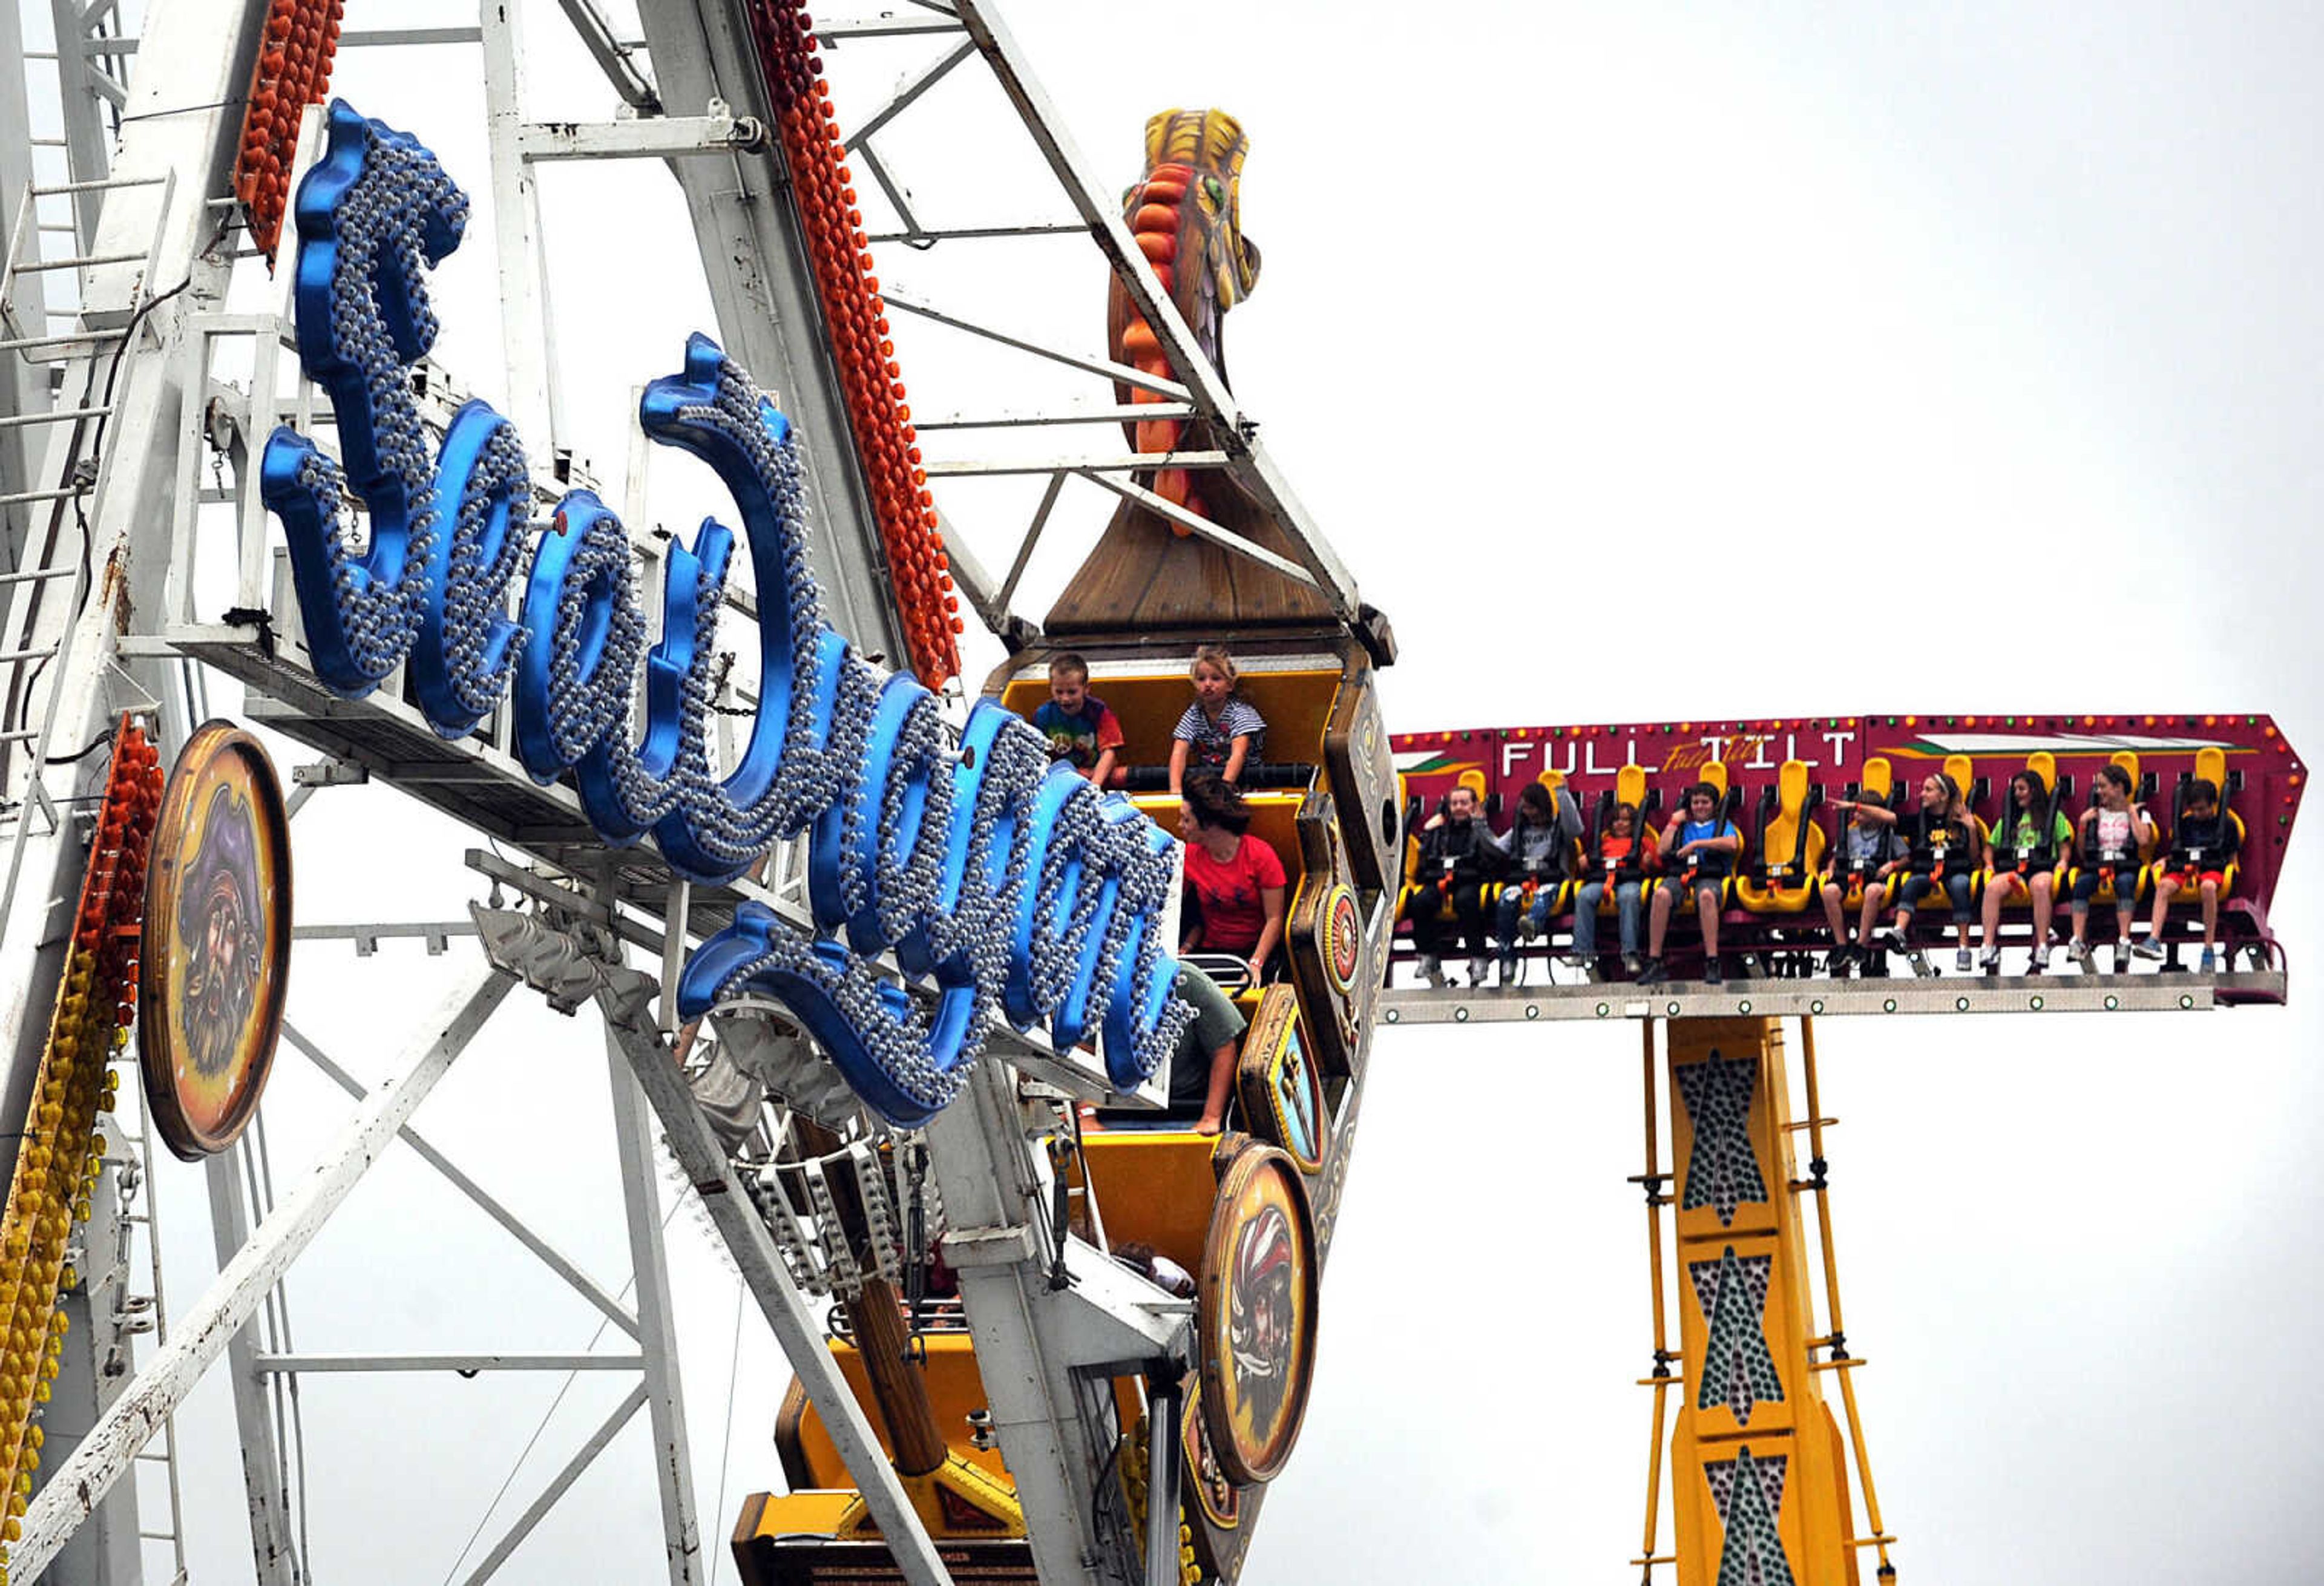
(135, 410)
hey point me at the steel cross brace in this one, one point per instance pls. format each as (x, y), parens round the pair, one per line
(1253, 470)
(1038, 1347)
(629, 1026)
(110, 1450)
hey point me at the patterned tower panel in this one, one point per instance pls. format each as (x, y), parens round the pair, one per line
(1760, 1482)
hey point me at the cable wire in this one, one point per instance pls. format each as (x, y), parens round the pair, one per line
(733, 1367)
(570, 1377)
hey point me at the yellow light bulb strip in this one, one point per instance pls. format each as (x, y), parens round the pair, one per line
(60, 1155)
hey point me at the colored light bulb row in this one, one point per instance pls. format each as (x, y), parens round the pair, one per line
(1132, 1463)
(880, 415)
(57, 1165)
(293, 71)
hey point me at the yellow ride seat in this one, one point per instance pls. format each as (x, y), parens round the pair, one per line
(1715, 773)
(2128, 759)
(2210, 766)
(1878, 786)
(1630, 789)
(1473, 778)
(2044, 765)
(1790, 850)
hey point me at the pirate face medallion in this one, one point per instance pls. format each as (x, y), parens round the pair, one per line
(217, 931)
(218, 941)
(1257, 1320)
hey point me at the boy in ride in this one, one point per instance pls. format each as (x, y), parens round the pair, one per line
(1080, 730)
(2200, 851)
(1698, 849)
(1868, 853)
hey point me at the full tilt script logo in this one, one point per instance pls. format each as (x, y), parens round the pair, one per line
(1008, 883)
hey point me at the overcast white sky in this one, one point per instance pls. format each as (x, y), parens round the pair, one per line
(1642, 361)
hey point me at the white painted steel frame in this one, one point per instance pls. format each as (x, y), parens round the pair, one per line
(796, 1328)
(1044, 1353)
(665, 1402)
(266, 1492)
(207, 1329)
(754, 261)
(1794, 998)
(1198, 390)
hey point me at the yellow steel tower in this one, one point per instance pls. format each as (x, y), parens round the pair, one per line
(1759, 1469)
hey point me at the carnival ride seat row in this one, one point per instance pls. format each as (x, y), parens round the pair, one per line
(1145, 1181)
(1771, 894)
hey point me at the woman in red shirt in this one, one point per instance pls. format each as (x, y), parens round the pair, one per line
(1234, 880)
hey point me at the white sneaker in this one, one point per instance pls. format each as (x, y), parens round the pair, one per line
(2039, 963)
(1477, 969)
(2080, 952)
(1508, 972)
(1432, 971)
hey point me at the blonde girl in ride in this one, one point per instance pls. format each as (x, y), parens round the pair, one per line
(1220, 733)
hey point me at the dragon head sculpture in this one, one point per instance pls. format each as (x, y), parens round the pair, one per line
(1186, 219)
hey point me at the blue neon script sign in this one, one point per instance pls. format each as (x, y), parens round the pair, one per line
(1008, 883)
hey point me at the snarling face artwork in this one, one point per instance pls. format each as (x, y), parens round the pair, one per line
(1261, 1319)
(1213, 1488)
(221, 934)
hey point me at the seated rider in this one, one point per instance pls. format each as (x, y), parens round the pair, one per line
(2112, 833)
(1940, 850)
(1539, 848)
(1220, 731)
(1620, 862)
(2024, 858)
(1235, 881)
(1698, 853)
(1458, 856)
(1082, 732)
(1868, 853)
(1202, 1067)
(2201, 849)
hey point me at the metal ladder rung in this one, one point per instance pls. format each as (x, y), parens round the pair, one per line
(37, 575)
(21, 735)
(24, 655)
(54, 416)
(84, 261)
(23, 496)
(98, 185)
(17, 343)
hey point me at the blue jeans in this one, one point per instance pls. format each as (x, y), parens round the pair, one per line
(1507, 911)
(1585, 917)
(1956, 888)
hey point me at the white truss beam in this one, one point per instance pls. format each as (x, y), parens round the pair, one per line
(796, 1328)
(111, 1448)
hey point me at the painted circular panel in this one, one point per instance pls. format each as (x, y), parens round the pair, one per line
(1281, 1087)
(1257, 1314)
(1343, 937)
(215, 960)
(1220, 1499)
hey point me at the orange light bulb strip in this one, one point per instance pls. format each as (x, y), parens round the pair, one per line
(878, 413)
(293, 71)
(59, 1160)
